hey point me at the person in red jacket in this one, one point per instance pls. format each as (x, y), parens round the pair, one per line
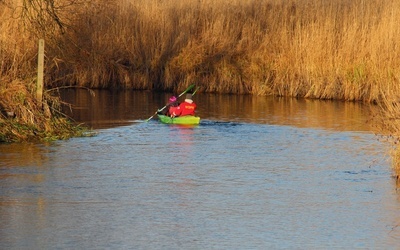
(188, 107)
(172, 102)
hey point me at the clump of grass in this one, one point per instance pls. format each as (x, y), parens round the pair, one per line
(60, 129)
(23, 118)
(387, 122)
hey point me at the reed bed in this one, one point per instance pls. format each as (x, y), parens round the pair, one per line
(387, 125)
(338, 50)
(344, 49)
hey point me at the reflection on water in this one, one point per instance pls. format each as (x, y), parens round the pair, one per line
(257, 173)
(290, 111)
(110, 108)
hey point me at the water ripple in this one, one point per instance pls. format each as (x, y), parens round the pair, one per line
(228, 185)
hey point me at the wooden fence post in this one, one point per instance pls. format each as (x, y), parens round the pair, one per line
(39, 84)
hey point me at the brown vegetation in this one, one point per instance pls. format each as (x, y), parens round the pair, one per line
(23, 118)
(343, 49)
(387, 120)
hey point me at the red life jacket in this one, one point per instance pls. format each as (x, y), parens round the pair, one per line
(174, 111)
(187, 108)
(171, 107)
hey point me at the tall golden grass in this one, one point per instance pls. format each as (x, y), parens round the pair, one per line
(341, 49)
(22, 117)
(387, 125)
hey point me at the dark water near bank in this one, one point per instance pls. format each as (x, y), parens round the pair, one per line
(257, 173)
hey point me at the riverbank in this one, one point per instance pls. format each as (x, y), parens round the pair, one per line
(23, 119)
(387, 120)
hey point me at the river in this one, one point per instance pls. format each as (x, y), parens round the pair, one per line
(257, 173)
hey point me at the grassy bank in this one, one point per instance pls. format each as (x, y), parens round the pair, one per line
(24, 119)
(387, 120)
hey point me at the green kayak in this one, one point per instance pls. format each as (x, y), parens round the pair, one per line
(183, 120)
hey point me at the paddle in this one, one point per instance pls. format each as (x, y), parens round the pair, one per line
(184, 92)
(194, 92)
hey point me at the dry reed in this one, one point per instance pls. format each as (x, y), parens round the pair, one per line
(339, 50)
(342, 49)
(387, 121)
(22, 117)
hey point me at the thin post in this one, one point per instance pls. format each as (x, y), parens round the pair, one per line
(39, 86)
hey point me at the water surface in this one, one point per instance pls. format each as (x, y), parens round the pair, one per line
(257, 173)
